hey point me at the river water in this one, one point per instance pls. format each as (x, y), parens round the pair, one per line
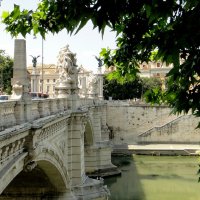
(155, 178)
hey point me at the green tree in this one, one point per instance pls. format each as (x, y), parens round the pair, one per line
(151, 83)
(128, 90)
(168, 27)
(6, 72)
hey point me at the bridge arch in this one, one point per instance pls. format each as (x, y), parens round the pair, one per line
(90, 153)
(54, 168)
(51, 155)
(89, 133)
(48, 177)
(11, 171)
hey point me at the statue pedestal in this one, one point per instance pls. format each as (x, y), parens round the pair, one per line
(62, 92)
(35, 81)
(20, 83)
(63, 89)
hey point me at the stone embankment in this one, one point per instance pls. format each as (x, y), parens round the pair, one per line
(157, 149)
(145, 124)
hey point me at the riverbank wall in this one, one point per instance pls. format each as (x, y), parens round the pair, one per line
(157, 150)
(139, 123)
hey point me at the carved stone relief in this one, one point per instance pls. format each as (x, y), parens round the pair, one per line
(68, 73)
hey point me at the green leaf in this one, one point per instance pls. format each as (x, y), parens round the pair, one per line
(5, 14)
(81, 25)
(16, 12)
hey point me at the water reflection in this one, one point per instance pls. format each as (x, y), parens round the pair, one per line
(128, 185)
(155, 178)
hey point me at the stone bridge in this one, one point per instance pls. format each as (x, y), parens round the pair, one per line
(50, 148)
(57, 148)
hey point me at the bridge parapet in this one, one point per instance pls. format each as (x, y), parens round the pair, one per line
(85, 102)
(12, 112)
(45, 107)
(7, 114)
(12, 143)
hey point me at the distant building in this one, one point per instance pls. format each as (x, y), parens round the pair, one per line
(50, 75)
(154, 69)
(151, 69)
(43, 82)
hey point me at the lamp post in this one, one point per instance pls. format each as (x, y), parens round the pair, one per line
(1, 86)
(1, 78)
(1, 83)
(42, 73)
(42, 67)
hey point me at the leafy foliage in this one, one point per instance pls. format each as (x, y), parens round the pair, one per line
(129, 89)
(6, 71)
(150, 83)
(169, 28)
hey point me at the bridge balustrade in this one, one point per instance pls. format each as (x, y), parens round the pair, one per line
(7, 114)
(85, 102)
(12, 110)
(12, 143)
(34, 110)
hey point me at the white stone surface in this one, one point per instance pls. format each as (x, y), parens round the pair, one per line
(143, 123)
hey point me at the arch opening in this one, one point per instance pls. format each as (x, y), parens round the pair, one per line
(88, 135)
(89, 153)
(43, 182)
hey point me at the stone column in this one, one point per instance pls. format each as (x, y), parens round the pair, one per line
(104, 127)
(96, 122)
(76, 150)
(19, 72)
(35, 81)
(20, 82)
(100, 83)
(104, 114)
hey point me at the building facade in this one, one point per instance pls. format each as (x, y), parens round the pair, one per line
(43, 79)
(154, 69)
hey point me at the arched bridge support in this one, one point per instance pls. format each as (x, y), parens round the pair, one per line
(98, 153)
(83, 186)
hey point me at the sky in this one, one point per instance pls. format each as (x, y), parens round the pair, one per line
(87, 43)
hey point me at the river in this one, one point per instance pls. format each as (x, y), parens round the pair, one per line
(155, 178)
